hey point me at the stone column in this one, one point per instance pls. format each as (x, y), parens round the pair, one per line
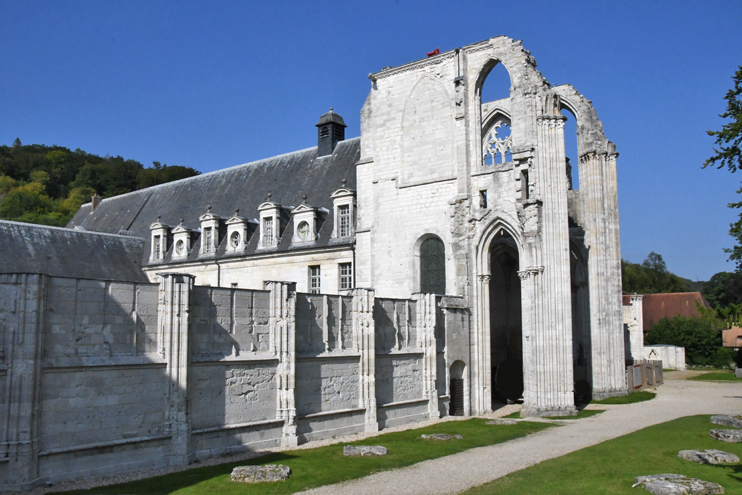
(426, 321)
(482, 375)
(636, 327)
(173, 321)
(283, 345)
(364, 341)
(23, 316)
(547, 342)
(599, 207)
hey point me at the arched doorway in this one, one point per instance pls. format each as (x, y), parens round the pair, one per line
(506, 328)
(456, 407)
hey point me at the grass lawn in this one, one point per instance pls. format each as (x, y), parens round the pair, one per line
(627, 399)
(585, 413)
(610, 467)
(720, 376)
(325, 465)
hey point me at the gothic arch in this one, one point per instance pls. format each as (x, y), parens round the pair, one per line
(417, 260)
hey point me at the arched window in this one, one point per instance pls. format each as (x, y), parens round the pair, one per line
(433, 266)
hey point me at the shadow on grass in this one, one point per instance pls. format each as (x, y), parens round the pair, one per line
(327, 465)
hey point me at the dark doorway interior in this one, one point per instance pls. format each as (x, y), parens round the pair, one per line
(506, 332)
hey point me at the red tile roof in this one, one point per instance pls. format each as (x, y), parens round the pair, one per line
(658, 306)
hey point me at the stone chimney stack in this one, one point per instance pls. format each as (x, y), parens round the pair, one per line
(95, 201)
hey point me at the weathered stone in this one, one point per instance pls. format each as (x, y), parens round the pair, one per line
(732, 421)
(259, 474)
(731, 436)
(677, 484)
(441, 436)
(500, 421)
(710, 456)
(364, 450)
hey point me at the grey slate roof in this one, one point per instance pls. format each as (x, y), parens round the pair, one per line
(28, 248)
(287, 177)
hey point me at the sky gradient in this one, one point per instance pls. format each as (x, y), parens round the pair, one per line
(212, 85)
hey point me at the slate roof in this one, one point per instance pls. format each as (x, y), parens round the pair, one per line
(286, 177)
(28, 248)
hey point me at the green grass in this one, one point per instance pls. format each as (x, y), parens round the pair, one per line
(610, 467)
(627, 399)
(326, 465)
(721, 376)
(585, 413)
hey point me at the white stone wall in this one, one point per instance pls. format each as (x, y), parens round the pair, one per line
(672, 357)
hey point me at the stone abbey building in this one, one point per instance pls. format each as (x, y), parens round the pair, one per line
(441, 263)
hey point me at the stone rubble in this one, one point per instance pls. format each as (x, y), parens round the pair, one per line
(677, 484)
(441, 436)
(722, 419)
(709, 456)
(259, 474)
(731, 436)
(498, 421)
(364, 450)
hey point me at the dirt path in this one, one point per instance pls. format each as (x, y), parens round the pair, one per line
(459, 472)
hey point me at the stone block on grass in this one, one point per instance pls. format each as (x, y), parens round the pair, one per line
(731, 436)
(721, 419)
(677, 484)
(500, 421)
(364, 450)
(259, 474)
(441, 436)
(709, 456)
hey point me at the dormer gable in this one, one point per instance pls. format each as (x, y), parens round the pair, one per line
(159, 241)
(238, 233)
(181, 242)
(270, 224)
(210, 231)
(344, 212)
(306, 224)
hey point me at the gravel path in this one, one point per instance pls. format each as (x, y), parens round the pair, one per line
(459, 472)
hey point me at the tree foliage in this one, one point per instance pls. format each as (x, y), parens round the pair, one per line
(47, 184)
(728, 153)
(723, 289)
(701, 338)
(651, 277)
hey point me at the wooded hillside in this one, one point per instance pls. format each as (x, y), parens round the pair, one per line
(47, 184)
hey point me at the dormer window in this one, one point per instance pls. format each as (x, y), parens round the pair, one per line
(210, 224)
(181, 242)
(344, 204)
(305, 224)
(270, 225)
(238, 234)
(159, 244)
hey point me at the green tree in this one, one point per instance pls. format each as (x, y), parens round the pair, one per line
(723, 289)
(728, 153)
(701, 338)
(651, 277)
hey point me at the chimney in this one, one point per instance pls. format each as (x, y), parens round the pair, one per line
(95, 201)
(330, 131)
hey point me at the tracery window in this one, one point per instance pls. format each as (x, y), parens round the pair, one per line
(498, 142)
(433, 266)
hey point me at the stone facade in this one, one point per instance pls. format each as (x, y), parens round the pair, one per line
(420, 270)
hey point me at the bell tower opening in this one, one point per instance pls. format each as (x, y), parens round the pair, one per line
(506, 329)
(330, 131)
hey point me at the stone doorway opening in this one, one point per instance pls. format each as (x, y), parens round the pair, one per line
(456, 406)
(506, 328)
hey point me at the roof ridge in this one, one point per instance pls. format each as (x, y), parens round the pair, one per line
(65, 229)
(195, 177)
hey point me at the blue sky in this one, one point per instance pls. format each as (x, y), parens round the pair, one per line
(215, 84)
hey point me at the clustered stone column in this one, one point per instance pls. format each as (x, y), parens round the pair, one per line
(23, 326)
(364, 338)
(426, 322)
(547, 332)
(599, 206)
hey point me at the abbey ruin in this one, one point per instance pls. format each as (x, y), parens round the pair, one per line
(441, 263)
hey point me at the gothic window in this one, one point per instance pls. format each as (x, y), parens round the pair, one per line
(433, 266)
(344, 220)
(497, 144)
(346, 276)
(314, 286)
